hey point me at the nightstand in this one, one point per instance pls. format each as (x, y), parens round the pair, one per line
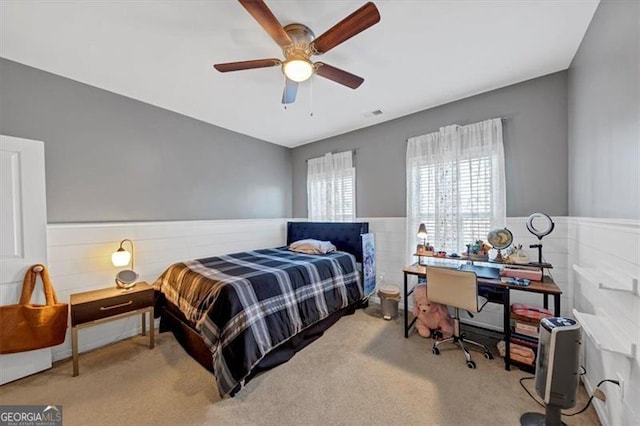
(99, 306)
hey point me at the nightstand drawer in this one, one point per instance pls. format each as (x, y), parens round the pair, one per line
(116, 301)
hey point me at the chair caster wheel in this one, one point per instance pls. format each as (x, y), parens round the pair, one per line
(488, 355)
(435, 351)
(471, 364)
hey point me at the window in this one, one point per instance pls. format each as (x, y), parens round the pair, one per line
(331, 188)
(463, 187)
(455, 185)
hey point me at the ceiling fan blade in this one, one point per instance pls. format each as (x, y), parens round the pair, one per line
(290, 91)
(353, 24)
(263, 15)
(339, 76)
(247, 65)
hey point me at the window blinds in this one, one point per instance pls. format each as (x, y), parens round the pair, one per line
(331, 188)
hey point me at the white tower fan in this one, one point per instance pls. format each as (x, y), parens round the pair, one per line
(557, 370)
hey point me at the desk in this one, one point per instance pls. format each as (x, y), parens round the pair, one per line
(546, 287)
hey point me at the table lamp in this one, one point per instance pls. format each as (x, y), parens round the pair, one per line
(121, 257)
(423, 249)
(422, 233)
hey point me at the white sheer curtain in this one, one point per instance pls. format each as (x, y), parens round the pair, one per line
(456, 185)
(331, 188)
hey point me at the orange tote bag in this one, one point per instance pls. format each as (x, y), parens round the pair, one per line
(27, 326)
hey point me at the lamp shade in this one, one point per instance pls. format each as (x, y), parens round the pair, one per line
(298, 69)
(127, 278)
(121, 257)
(422, 231)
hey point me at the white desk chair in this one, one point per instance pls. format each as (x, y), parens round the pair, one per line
(458, 289)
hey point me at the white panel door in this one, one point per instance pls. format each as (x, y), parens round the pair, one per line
(23, 238)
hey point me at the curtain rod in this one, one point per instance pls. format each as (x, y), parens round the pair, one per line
(460, 125)
(353, 152)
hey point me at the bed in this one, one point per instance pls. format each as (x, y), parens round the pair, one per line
(243, 313)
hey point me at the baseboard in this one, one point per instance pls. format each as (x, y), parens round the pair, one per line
(597, 404)
(375, 299)
(481, 324)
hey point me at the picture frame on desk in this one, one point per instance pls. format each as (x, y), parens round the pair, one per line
(424, 250)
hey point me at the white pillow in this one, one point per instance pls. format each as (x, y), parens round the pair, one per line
(311, 246)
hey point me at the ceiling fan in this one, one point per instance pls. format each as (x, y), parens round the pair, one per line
(298, 44)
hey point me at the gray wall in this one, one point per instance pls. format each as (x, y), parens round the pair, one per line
(604, 116)
(112, 158)
(535, 144)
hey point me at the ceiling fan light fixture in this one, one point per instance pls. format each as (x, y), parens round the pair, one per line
(298, 69)
(299, 44)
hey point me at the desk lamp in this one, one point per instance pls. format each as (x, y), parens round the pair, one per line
(121, 257)
(423, 249)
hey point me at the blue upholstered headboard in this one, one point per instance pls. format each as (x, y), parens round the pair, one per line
(344, 235)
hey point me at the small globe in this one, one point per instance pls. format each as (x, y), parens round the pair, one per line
(500, 238)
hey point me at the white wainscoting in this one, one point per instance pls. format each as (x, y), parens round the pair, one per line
(80, 258)
(613, 247)
(390, 247)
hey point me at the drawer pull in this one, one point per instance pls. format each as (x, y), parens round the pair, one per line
(102, 308)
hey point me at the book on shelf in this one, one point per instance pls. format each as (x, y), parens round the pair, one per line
(526, 326)
(531, 266)
(524, 267)
(522, 354)
(526, 332)
(525, 337)
(524, 319)
(533, 275)
(522, 342)
(529, 314)
(520, 362)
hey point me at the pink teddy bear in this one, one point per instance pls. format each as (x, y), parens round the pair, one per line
(431, 316)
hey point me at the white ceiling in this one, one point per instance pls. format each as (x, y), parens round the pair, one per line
(421, 54)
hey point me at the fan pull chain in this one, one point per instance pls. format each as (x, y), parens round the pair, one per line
(284, 78)
(310, 97)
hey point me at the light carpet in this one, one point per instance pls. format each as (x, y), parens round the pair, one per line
(362, 371)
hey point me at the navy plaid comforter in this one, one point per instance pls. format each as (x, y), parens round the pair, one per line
(246, 304)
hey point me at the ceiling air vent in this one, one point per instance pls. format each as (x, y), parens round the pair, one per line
(373, 113)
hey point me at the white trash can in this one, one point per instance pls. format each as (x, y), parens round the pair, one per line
(389, 295)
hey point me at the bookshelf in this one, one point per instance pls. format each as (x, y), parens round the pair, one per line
(525, 332)
(600, 328)
(609, 279)
(605, 335)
